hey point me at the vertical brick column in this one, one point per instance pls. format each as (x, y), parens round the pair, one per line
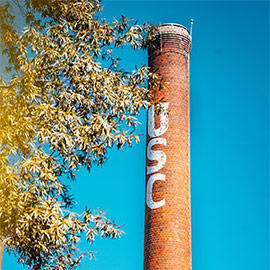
(167, 240)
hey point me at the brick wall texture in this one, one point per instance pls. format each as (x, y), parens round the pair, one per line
(167, 239)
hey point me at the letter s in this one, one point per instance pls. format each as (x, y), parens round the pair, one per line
(160, 156)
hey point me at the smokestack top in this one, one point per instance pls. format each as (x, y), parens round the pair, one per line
(173, 27)
(171, 36)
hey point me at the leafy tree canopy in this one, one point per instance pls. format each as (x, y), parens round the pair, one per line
(66, 103)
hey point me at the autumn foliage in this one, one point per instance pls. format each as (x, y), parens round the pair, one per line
(65, 103)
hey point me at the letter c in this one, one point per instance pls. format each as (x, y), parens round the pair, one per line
(149, 188)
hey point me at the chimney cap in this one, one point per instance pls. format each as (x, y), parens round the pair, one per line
(172, 31)
(174, 24)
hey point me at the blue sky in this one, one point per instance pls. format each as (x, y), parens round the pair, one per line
(229, 91)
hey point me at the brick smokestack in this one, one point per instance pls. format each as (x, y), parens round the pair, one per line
(167, 239)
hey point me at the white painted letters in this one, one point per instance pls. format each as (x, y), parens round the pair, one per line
(164, 121)
(159, 156)
(149, 199)
(156, 155)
